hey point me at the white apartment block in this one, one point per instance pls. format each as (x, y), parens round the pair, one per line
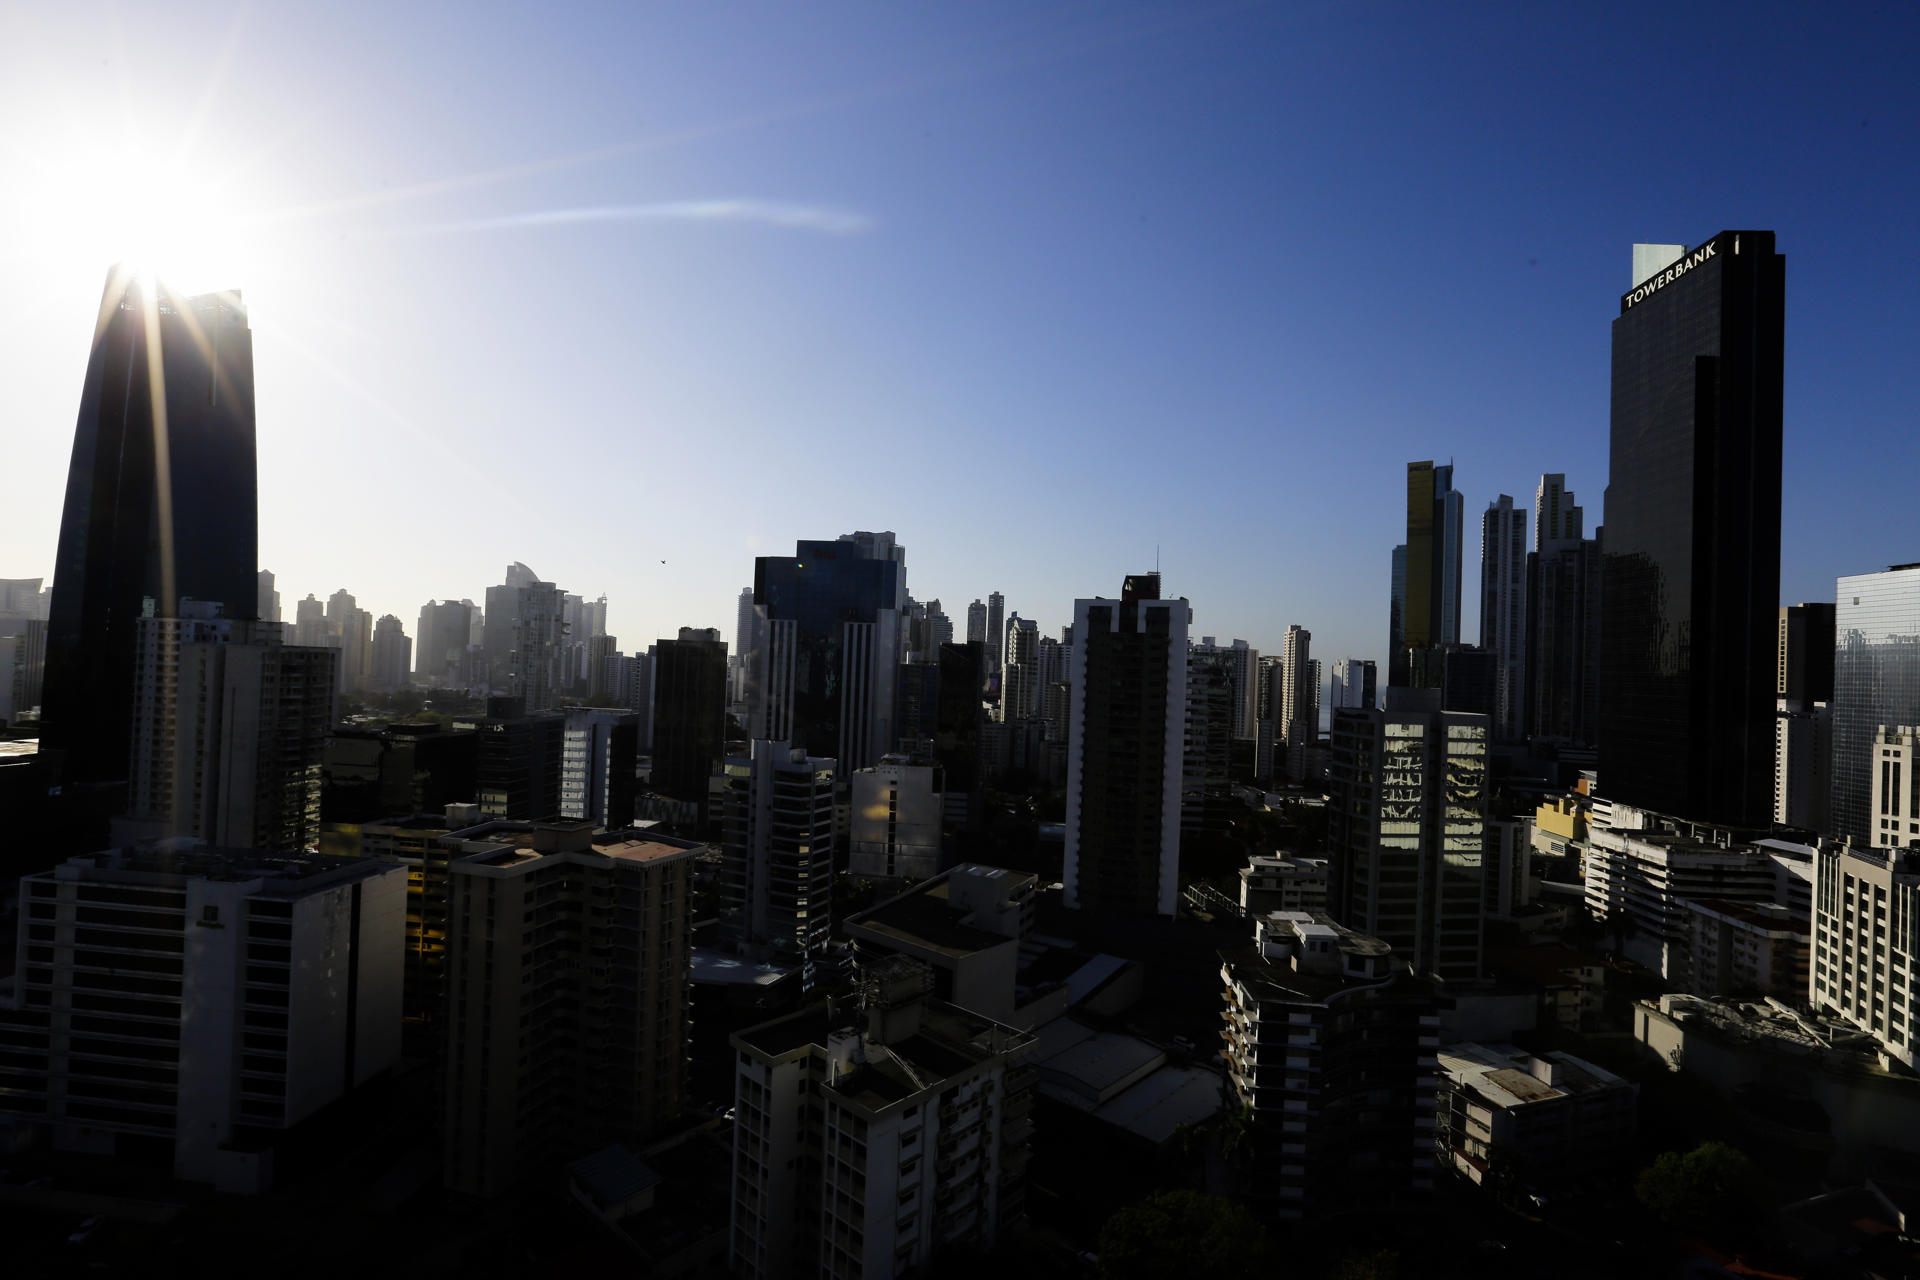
(1893, 820)
(207, 997)
(1275, 883)
(870, 1142)
(1551, 1119)
(1866, 943)
(894, 820)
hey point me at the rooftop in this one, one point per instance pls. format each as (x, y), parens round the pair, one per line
(1506, 1076)
(1765, 917)
(612, 1175)
(926, 916)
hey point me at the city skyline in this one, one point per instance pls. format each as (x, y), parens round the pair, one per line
(722, 266)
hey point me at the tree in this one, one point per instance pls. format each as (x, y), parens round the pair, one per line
(1181, 1233)
(1713, 1188)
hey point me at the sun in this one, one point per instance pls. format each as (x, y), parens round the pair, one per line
(148, 210)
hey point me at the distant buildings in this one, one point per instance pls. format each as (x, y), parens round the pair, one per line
(1330, 1048)
(877, 1139)
(1298, 716)
(1692, 552)
(524, 632)
(1020, 671)
(1125, 751)
(567, 987)
(204, 999)
(441, 644)
(392, 656)
(1562, 666)
(689, 714)
(1426, 576)
(1407, 830)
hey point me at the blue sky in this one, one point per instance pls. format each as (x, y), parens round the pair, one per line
(1040, 288)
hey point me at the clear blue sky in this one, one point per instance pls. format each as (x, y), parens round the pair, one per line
(1039, 287)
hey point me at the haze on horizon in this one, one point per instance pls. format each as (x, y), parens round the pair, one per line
(634, 297)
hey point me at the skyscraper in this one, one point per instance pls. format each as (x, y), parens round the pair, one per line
(160, 505)
(1691, 566)
(1353, 685)
(689, 711)
(996, 628)
(826, 676)
(440, 643)
(1429, 568)
(1298, 719)
(392, 656)
(976, 623)
(1125, 750)
(1020, 671)
(1876, 682)
(267, 608)
(598, 753)
(525, 629)
(1562, 669)
(1406, 830)
(777, 869)
(1503, 611)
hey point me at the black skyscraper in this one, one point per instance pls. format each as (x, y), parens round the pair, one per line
(1691, 559)
(689, 714)
(160, 506)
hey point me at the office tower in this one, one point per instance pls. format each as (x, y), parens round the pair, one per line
(1354, 681)
(1330, 1047)
(1562, 668)
(517, 762)
(777, 873)
(977, 623)
(392, 656)
(1020, 671)
(1469, 679)
(1406, 830)
(383, 771)
(599, 753)
(27, 682)
(229, 728)
(996, 628)
(567, 975)
(895, 819)
(1244, 666)
(1503, 612)
(267, 605)
(1053, 661)
(1397, 617)
(1429, 571)
(917, 706)
(443, 638)
(20, 611)
(825, 678)
(940, 628)
(958, 729)
(883, 546)
(1691, 570)
(1125, 750)
(920, 1148)
(1876, 682)
(1803, 718)
(571, 674)
(1864, 971)
(746, 641)
(160, 506)
(267, 988)
(1206, 758)
(689, 709)
(1804, 670)
(599, 649)
(1298, 718)
(525, 631)
(310, 623)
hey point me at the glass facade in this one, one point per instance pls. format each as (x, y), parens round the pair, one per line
(145, 527)
(1691, 557)
(1876, 681)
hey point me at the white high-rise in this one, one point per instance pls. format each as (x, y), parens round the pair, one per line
(1299, 712)
(1020, 671)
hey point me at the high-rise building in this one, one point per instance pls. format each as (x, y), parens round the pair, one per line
(939, 628)
(517, 762)
(1803, 720)
(1397, 614)
(1354, 681)
(894, 820)
(1804, 673)
(525, 631)
(372, 772)
(1503, 611)
(1691, 568)
(746, 643)
(876, 1139)
(310, 623)
(1562, 668)
(26, 682)
(1894, 812)
(1125, 750)
(160, 506)
(1876, 682)
(440, 647)
(1865, 972)
(1207, 758)
(958, 730)
(392, 656)
(267, 607)
(1330, 1046)
(689, 710)
(567, 983)
(1299, 714)
(1429, 567)
(996, 628)
(1244, 666)
(777, 873)
(598, 755)
(1406, 830)
(1020, 671)
(204, 999)
(977, 623)
(229, 728)
(827, 674)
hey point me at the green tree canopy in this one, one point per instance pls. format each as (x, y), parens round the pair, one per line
(1183, 1233)
(1712, 1188)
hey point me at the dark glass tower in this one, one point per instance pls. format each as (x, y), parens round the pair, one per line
(1691, 559)
(160, 506)
(1426, 578)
